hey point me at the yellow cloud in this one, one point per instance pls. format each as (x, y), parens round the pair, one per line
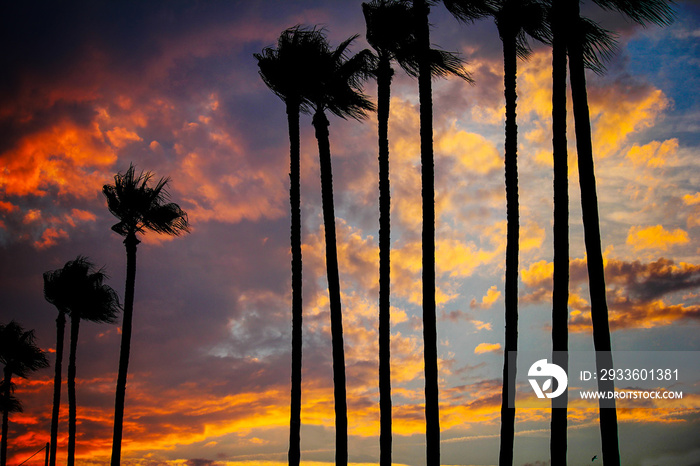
(487, 348)
(619, 112)
(473, 152)
(655, 154)
(487, 301)
(691, 199)
(538, 274)
(655, 237)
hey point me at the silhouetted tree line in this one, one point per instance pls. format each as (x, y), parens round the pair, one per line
(314, 78)
(78, 291)
(310, 76)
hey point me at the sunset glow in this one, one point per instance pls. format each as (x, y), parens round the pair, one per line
(173, 88)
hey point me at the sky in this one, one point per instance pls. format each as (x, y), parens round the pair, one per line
(89, 87)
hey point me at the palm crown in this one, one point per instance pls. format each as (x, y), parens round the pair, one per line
(391, 31)
(140, 207)
(337, 81)
(18, 350)
(288, 69)
(78, 290)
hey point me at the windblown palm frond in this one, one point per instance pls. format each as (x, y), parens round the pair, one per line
(288, 69)
(391, 32)
(79, 289)
(18, 350)
(599, 45)
(522, 19)
(140, 207)
(338, 81)
(644, 12)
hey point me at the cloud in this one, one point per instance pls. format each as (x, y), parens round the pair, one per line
(655, 237)
(492, 295)
(482, 348)
(636, 107)
(473, 152)
(653, 155)
(637, 293)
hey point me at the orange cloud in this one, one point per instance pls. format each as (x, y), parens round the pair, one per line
(120, 137)
(66, 157)
(655, 237)
(50, 237)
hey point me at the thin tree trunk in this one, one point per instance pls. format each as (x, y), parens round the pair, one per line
(560, 286)
(60, 331)
(432, 408)
(72, 406)
(7, 379)
(591, 228)
(320, 123)
(130, 242)
(384, 75)
(512, 238)
(295, 206)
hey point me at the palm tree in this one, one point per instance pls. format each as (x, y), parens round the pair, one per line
(285, 70)
(642, 11)
(138, 207)
(86, 297)
(391, 32)
(56, 292)
(560, 285)
(337, 87)
(598, 45)
(20, 356)
(515, 19)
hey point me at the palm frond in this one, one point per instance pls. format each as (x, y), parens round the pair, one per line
(287, 70)
(140, 207)
(18, 350)
(338, 81)
(468, 11)
(599, 45)
(10, 403)
(79, 289)
(644, 12)
(391, 31)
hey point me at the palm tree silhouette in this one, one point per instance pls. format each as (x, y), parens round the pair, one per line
(515, 19)
(337, 87)
(57, 293)
(286, 71)
(598, 46)
(644, 12)
(391, 32)
(138, 207)
(84, 296)
(20, 356)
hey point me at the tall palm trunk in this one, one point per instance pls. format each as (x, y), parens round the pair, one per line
(72, 406)
(425, 91)
(130, 243)
(321, 124)
(384, 74)
(7, 379)
(591, 228)
(295, 206)
(560, 287)
(60, 331)
(512, 238)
